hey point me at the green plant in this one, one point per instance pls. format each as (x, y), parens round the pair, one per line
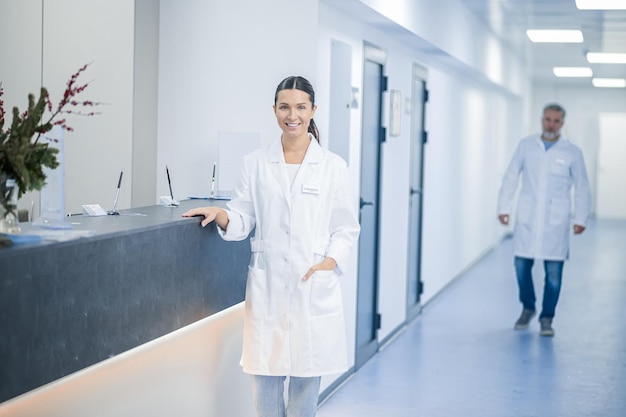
(24, 148)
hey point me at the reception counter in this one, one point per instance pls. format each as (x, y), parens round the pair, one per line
(129, 279)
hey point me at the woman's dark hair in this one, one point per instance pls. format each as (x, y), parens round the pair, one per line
(302, 84)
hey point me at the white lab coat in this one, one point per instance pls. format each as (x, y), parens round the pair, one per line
(544, 209)
(294, 327)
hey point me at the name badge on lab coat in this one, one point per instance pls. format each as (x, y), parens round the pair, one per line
(310, 189)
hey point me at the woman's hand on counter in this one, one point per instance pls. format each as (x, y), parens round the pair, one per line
(210, 214)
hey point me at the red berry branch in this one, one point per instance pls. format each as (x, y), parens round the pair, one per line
(22, 155)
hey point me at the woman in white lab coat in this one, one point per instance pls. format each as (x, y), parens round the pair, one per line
(298, 197)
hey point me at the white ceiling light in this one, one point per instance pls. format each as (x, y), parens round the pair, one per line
(555, 35)
(605, 58)
(572, 71)
(601, 4)
(609, 82)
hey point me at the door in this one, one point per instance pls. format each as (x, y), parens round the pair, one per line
(368, 319)
(419, 96)
(611, 180)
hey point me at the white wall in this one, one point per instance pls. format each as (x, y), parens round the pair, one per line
(452, 29)
(100, 146)
(611, 178)
(473, 124)
(75, 33)
(219, 65)
(470, 127)
(20, 67)
(145, 102)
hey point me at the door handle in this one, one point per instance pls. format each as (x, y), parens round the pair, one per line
(365, 203)
(415, 191)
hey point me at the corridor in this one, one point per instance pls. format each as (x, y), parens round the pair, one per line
(461, 356)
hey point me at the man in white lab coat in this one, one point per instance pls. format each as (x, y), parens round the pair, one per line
(550, 165)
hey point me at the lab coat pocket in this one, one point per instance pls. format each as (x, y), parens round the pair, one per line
(559, 211)
(559, 168)
(524, 210)
(328, 334)
(256, 293)
(325, 295)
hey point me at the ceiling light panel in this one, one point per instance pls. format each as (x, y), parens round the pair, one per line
(601, 4)
(555, 35)
(572, 72)
(605, 58)
(609, 82)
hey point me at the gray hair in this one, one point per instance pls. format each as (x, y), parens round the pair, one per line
(555, 107)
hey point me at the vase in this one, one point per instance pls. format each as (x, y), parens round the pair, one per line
(9, 191)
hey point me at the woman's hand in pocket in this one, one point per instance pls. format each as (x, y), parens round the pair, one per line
(328, 264)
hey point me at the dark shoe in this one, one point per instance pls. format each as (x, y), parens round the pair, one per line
(524, 319)
(546, 327)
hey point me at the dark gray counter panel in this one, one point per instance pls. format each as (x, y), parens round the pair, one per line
(68, 305)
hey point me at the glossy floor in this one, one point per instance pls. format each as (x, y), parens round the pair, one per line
(461, 356)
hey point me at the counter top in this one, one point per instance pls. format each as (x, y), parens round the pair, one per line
(96, 227)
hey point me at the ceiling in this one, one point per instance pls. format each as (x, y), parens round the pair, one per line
(603, 31)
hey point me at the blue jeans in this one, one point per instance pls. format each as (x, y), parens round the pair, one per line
(269, 401)
(551, 288)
